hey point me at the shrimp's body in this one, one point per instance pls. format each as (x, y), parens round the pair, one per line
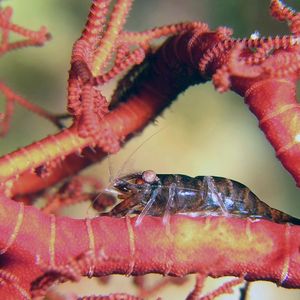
(148, 193)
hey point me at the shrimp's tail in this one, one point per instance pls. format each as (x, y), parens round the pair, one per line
(281, 217)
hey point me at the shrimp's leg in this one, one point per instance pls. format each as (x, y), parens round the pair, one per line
(172, 190)
(147, 206)
(211, 186)
(123, 208)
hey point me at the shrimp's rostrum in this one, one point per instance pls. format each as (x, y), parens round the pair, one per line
(148, 193)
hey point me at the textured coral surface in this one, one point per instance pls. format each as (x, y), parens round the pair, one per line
(39, 248)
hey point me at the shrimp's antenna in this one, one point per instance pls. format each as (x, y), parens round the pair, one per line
(137, 149)
(107, 189)
(110, 169)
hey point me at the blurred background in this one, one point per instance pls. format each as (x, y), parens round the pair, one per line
(202, 133)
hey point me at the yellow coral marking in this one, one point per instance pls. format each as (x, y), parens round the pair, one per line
(257, 85)
(52, 239)
(91, 236)
(286, 147)
(248, 230)
(279, 111)
(12, 280)
(169, 261)
(6, 186)
(16, 230)
(207, 223)
(131, 239)
(67, 138)
(12, 165)
(109, 39)
(189, 234)
(92, 247)
(22, 291)
(285, 270)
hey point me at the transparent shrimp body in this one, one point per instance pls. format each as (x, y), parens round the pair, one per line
(148, 193)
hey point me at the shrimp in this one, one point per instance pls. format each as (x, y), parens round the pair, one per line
(148, 193)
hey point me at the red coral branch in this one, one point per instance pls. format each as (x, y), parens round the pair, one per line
(115, 296)
(274, 103)
(11, 98)
(253, 250)
(33, 38)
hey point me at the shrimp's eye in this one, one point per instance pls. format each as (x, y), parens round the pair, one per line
(140, 181)
(149, 176)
